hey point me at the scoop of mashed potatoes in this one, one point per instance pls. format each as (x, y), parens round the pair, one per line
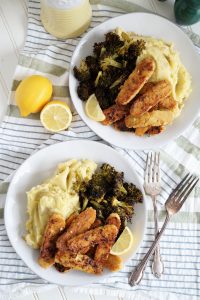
(58, 194)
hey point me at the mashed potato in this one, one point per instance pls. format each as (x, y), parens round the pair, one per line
(58, 194)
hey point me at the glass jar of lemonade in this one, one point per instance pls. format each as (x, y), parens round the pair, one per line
(65, 18)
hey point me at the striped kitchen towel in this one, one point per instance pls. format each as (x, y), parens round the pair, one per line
(20, 137)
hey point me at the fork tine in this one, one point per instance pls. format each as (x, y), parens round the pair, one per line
(190, 181)
(179, 186)
(147, 169)
(158, 165)
(184, 186)
(189, 191)
(150, 168)
(154, 167)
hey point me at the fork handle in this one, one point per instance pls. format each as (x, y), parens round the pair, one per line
(157, 265)
(137, 275)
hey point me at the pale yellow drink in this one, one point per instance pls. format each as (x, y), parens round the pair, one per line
(65, 18)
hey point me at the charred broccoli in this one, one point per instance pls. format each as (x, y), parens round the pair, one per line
(104, 72)
(107, 192)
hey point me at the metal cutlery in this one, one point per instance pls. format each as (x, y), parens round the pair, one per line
(153, 188)
(173, 204)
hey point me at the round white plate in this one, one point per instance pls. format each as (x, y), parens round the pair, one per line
(42, 165)
(158, 27)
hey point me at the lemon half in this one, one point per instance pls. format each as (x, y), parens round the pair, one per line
(93, 109)
(123, 243)
(56, 116)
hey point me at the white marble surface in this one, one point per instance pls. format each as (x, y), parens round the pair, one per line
(13, 20)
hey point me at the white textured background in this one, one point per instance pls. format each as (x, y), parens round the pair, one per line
(13, 19)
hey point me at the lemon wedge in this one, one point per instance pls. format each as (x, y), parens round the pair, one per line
(123, 243)
(56, 116)
(93, 109)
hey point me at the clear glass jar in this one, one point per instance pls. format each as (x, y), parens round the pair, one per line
(65, 18)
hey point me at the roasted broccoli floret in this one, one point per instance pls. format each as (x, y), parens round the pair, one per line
(93, 66)
(99, 49)
(119, 190)
(109, 61)
(133, 192)
(113, 42)
(85, 89)
(124, 208)
(82, 73)
(108, 172)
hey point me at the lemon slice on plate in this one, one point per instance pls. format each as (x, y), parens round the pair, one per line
(93, 109)
(56, 116)
(123, 243)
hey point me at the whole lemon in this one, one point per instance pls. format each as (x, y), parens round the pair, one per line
(32, 94)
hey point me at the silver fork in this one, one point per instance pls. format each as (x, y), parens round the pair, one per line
(172, 205)
(153, 188)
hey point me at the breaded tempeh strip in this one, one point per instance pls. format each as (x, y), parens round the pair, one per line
(153, 118)
(88, 239)
(140, 131)
(79, 225)
(167, 103)
(54, 227)
(78, 261)
(136, 80)
(113, 263)
(155, 130)
(103, 249)
(121, 126)
(114, 113)
(152, 96)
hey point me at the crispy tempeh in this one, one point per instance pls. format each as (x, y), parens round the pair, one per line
(152, 96)
(78, 261)
(54, 227)
(153, 118)
(81, 242)
(167, 103)
(103, 249)
(155, 130)
(136, 80)
(121, 126)
(79, 225)
(140, 131)
(151, 130)
(113, 263)
(114, 219)
(114, 113)
(70, 219)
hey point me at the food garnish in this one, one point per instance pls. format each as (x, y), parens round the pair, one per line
(139, 82)
(32, 94)
(56, 116)
(123, 243)
(93, 109)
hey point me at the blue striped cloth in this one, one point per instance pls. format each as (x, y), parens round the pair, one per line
(19, 137)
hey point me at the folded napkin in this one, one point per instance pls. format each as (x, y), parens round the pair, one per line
(20, 137)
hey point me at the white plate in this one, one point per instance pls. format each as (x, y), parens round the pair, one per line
(158, 27)
(40, 166)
